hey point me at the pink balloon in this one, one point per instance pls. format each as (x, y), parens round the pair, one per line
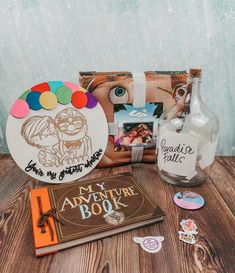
(72, 86)
(19, 109)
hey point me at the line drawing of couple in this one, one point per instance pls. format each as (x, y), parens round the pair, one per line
(62, 140)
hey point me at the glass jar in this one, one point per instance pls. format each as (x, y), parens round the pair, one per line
(188, 134)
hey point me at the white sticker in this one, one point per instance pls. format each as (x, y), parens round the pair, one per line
(151, 244)
(189, 230)
(187, 237)
(177, 153)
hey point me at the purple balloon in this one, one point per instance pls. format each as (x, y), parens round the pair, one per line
(92, 101)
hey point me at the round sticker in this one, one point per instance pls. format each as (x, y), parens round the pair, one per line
(52, 141)
(189, 200)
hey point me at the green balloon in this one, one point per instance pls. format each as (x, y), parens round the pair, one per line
(63, 94)
(24, 95)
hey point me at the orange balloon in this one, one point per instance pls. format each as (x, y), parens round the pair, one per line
(79, 99)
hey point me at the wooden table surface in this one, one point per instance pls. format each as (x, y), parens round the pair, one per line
(213, 252)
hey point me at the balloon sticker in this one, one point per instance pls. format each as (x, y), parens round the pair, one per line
(150, 244)
(52, 132)
(189, 230)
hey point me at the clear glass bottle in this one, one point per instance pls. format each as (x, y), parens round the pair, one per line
(188, 134)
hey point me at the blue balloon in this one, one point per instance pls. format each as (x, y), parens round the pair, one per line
(33, 100)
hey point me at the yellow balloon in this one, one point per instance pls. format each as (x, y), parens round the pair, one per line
(82, 89)
(48, 100)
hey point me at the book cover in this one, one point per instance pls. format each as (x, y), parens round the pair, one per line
(74, 213)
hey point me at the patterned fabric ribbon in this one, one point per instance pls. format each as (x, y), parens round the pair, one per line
(44, 218)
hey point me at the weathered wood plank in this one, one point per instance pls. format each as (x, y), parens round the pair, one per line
(16, 229)
(11, 178)
(213, 251)
(223, 177)
(231, 159)
(119, 254)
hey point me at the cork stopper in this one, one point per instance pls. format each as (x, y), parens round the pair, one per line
(195, 73)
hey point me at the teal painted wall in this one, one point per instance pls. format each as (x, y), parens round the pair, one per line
(43, 40)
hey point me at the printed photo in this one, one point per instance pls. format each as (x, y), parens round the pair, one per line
(136, 126)
(138, 133)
